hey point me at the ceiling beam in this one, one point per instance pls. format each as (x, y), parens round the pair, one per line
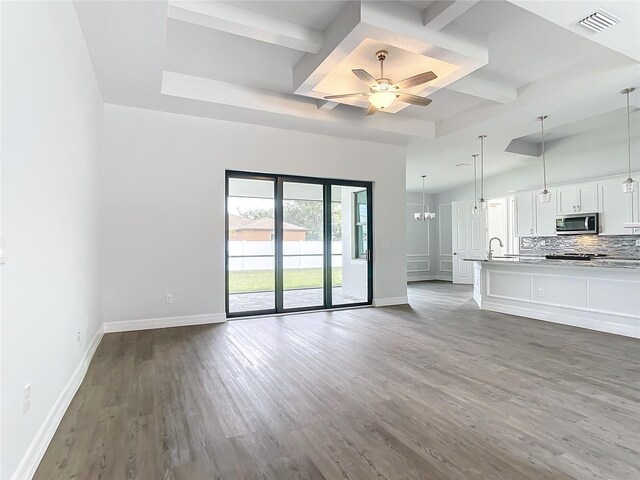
(479, 87)
(243, 22)
(223, 93)
(440, 14)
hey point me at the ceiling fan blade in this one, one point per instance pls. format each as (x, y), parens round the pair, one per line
(370, 110)
(346, 95)
(365, 77)
(416, 80)
(413, 99)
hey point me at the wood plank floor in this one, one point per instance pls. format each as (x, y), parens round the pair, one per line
(438, 390)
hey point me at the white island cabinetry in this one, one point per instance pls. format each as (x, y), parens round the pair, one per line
(603, 298)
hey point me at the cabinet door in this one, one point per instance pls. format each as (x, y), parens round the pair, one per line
(587, 196)
(524, 214)
(616, 209)
(546, 215)
(567, 200)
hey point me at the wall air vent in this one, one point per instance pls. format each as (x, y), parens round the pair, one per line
(599, 21)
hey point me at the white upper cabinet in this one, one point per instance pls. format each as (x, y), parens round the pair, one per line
(545, 214)
(577, 198)
(616, 208)
(524, 213)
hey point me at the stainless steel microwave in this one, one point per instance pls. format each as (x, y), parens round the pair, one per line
(583, 223)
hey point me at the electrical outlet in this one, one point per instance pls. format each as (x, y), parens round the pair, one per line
(543, 243)
(168, 298)
(541, 292)
(26, 399)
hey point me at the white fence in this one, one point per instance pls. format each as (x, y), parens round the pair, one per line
(246, 255)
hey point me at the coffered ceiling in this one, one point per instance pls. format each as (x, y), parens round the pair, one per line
(499, 65)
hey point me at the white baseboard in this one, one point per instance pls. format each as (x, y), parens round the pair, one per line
(29, 463)
(163, 322)
(554, 315)
(444, 277)
(421, 278)
(386, 302)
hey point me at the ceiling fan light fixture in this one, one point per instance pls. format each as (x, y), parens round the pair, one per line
(382, 100)
(384, 91)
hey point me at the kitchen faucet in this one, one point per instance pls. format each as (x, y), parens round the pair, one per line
(490, 255)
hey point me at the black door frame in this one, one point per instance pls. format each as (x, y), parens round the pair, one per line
(278, 182)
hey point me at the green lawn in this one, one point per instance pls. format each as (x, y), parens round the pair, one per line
(262, 280)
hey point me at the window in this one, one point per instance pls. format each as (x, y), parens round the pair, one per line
(360, 224)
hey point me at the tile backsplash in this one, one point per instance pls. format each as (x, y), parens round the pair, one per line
(612, 245)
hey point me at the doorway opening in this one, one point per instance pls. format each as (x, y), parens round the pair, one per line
(296, 243)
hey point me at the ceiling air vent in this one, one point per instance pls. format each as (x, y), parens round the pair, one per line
(599, 21)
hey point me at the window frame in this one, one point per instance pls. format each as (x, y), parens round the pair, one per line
(360, 232)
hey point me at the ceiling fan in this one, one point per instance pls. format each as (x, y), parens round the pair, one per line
(383, 92)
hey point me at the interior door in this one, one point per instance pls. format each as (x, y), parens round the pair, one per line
(469, 239)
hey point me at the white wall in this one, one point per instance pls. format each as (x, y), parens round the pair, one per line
(162, 205)
(51, 127)
(421, 239)
(581, 157)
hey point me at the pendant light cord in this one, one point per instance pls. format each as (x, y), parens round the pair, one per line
(423, 201)
(544, 161)
(628, 133)
(475, 181)
(482, 167)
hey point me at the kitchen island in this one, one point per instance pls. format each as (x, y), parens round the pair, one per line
(602, 294)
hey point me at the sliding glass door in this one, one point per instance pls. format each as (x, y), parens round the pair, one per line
(296, 243)
(251, 244)
(302, 245)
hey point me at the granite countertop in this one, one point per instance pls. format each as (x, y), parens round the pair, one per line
(609, 262)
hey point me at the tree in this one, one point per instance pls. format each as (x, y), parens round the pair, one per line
(256, 213)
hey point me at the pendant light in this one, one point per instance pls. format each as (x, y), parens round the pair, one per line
(424, 215)
(544, 196)
(483, 202)
(629, 185)
(476, 210)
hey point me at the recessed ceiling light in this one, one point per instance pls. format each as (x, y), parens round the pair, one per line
(599, 21)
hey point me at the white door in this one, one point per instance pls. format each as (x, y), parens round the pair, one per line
(469, 239)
